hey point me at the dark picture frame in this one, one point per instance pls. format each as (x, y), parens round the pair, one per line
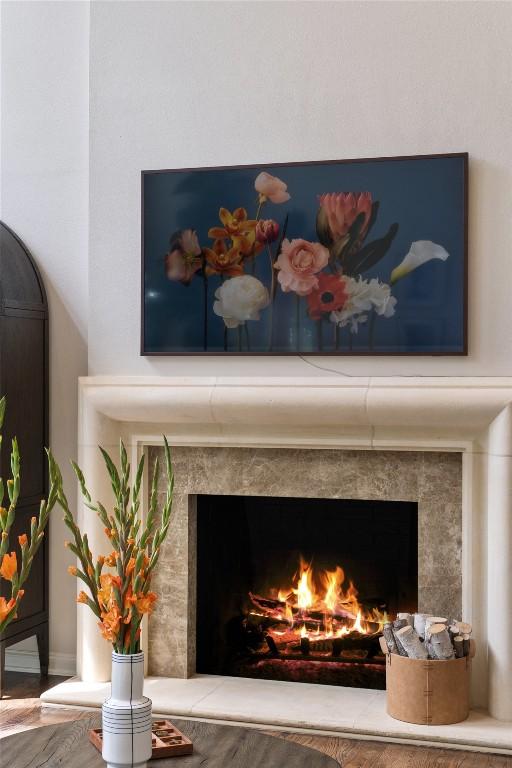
(357, 257)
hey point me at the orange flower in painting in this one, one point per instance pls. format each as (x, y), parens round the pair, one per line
(23, 541)
(6, 607)
(223, 261)
(235, 224)
(9, 566)
(145, 602)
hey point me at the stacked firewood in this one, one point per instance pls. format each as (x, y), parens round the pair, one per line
(421, 636)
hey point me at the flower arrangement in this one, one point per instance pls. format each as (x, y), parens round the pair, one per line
(328, 277)
(10, 570)
(119, 583)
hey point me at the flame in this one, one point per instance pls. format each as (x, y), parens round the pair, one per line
(332, 583)
(305, 589)
(317, 606)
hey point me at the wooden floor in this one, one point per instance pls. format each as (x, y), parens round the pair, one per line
(21, 709)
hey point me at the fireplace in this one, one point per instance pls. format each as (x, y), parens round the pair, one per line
(298, 588)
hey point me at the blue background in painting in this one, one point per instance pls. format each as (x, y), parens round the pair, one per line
(425, 196)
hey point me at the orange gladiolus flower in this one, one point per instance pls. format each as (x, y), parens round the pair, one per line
(23, 541)
(82, 597)
(110, 560)
(145, 602)
(130, 566)
(90, 571)
(6, 607)
(106, 591)
(72, 570)
(9, 566)
(110, 623)
(108, 532)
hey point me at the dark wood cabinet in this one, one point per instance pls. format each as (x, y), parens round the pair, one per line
(24, 380)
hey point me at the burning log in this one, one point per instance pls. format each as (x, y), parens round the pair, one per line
(271, 645)
(304, 646)
(277, 610)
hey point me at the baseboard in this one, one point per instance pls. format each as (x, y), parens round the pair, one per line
(28, 661)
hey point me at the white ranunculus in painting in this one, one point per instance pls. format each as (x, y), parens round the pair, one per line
(363, 297)
(420, 252)
(240, 299)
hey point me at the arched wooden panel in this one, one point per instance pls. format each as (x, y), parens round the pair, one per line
(24, 381)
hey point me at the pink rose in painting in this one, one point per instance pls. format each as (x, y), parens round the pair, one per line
(271, 187)
(339, 210)
(267, 230)
(299, 263)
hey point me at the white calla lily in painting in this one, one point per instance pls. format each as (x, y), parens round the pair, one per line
(420, 253)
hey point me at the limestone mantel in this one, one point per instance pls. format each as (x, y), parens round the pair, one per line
(469, 415)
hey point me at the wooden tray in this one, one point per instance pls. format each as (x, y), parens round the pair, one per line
(167, 740)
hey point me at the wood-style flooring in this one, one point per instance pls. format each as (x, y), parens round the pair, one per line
(21, 709)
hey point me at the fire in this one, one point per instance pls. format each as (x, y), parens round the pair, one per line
(304, 592)
(317, 606)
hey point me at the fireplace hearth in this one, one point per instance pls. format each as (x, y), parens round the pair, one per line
(297, 589)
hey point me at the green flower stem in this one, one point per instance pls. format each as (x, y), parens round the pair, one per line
(132, 540)
(31, 543)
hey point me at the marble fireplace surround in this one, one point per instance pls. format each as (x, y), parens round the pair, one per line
(468, 416)
(433, 480)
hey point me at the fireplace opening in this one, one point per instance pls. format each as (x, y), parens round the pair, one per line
(297, 589)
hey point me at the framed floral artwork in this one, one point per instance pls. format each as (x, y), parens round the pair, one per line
(344, 257)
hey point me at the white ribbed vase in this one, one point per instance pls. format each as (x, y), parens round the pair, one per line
(126, 715)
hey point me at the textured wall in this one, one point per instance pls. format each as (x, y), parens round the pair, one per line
(434, 480)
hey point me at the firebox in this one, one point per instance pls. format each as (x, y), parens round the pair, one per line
(298, 589)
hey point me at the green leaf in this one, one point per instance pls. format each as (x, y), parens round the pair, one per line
(344, 246)
(112, 471)
(3, 403)
(373, 217)
(370, 255)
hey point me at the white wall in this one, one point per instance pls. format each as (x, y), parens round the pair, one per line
(193, 84)
(44, 186)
